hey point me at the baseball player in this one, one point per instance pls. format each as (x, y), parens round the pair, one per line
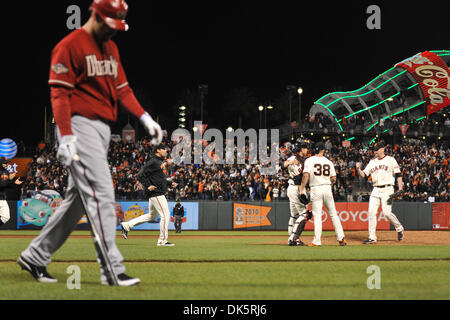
(320, 173)
(178, 214)
(6, 180)
(155, 181)
(383, 169)
(299, 211)
(87, 84)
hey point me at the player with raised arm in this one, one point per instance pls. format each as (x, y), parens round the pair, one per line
(384, 170)
(320, 173)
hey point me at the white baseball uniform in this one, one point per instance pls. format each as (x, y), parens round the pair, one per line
(156, 205)
(320, 171)
(4, 211)
(296, 207)
(383, 173)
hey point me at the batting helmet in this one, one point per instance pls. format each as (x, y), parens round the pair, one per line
(113, 12)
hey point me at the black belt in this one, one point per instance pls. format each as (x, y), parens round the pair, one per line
(386, 185)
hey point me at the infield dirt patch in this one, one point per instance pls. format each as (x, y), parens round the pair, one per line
(384, 238)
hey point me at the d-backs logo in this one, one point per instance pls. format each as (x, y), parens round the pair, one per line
(101, 67)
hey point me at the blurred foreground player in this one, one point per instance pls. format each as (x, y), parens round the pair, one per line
(384, 170)
(87, 84)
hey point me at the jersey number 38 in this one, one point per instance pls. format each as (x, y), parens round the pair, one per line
(321, 170)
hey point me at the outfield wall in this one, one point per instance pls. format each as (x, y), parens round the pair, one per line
(261, 215)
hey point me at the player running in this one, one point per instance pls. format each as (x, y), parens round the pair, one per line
(299, 211)
(320, 173)
(87, 84)
(155, 181)
(383, 169)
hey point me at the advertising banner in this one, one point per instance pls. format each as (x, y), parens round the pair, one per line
(132, 210)
(441, 216)
(247, 215)
(353, 216)
(19, 166)
(432, 75)
(33, 213)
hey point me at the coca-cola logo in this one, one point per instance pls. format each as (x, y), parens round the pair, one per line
(431, 73)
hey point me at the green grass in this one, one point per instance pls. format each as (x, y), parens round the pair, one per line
(234, 268)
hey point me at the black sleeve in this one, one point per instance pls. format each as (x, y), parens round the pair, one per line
(182, 211)
(144, 173)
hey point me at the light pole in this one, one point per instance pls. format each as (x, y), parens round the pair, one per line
(290, 89)
(181, 118)
(203, 92)
(299, 91)
(260, 108)
(265, 115)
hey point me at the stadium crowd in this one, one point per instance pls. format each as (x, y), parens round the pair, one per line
(425, 171)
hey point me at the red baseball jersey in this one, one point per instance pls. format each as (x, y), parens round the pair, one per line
(95, 77)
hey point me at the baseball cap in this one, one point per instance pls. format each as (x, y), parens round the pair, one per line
(378, 145)
(113, 12)
(319, 146)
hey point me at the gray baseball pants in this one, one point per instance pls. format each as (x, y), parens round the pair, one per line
(94, 179)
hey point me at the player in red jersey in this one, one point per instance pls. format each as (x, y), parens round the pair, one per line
(87, 84)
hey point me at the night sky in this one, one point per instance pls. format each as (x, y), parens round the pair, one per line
(261, 46)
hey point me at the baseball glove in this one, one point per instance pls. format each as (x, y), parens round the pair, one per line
(303, 198)
(393, 196)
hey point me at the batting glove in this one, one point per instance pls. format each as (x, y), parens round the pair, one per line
(67, 149)
(152, 127)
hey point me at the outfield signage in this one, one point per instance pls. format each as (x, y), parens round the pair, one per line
(441, 216)
(247, 215)
(353, 216)
(33, 213)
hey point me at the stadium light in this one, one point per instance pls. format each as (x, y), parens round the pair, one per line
(194, 129)
(299, 90)
(182, 108)
(229, 129)
(260, 108)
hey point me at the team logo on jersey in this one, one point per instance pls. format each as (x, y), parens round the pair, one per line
(101, 67)
(59, 68)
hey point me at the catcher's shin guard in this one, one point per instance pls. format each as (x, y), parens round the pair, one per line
(291, 224)
(300, 224)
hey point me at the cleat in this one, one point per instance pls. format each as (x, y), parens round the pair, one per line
(124, 232)
(342, 242)
(167, 244)
(123, 280)
(314, 245)
(292, 243)
(400, 236)
(39, 273)
(369, 241)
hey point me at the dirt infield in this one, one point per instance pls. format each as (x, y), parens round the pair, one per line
(385, 238)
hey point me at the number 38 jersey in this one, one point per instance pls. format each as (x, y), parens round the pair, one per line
(320, 170)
